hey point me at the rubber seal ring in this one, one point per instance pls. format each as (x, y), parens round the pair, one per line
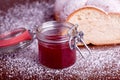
(14, 37)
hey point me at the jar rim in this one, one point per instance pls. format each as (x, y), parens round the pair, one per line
(61, 27)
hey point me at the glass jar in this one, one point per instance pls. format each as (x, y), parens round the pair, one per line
(53, 42)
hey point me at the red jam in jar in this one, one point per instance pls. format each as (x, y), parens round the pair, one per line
(54, 49)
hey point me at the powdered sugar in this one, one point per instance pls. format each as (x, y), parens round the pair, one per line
(107, 5)
(68, 7)
(101, 64)
(27, 16)
(104, 62)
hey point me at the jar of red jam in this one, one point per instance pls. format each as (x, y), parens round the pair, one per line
(54, 49)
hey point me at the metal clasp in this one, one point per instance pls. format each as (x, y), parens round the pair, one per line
(76, 37)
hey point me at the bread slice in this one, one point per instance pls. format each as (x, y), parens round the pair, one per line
(99, 27)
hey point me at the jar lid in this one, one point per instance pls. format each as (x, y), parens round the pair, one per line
(13, 40)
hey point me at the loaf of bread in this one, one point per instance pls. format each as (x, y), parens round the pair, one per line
(99, 20)
(99, 27)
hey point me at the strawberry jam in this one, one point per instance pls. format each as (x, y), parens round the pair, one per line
(53, 44)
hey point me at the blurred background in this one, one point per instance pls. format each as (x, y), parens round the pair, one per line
(5, 4)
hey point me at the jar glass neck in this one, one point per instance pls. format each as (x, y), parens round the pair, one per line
(54, 32)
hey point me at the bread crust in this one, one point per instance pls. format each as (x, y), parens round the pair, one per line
(86, 7)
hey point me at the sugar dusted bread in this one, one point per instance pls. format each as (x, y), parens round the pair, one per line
(99, 27)
(98, 19)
